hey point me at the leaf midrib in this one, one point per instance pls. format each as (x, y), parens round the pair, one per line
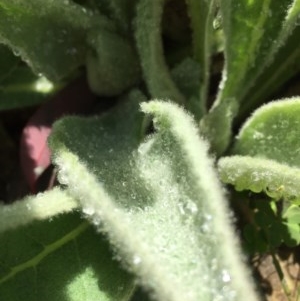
(46, 251)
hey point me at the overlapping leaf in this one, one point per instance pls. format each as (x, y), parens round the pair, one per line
(201, 15)
(271, 138)
(150, 47)
(61, 259)
(48, 35)
(254, 32)
(159, 202)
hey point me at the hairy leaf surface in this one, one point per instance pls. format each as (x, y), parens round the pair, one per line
(254, 31)
(272, 132)
(48, 35)
(268, 148)
(57, 259)
(256, 174)
(150, 47)
(201, 16)
(159, 201)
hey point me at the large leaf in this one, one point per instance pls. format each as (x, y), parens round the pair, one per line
(49, 35)
(61, 259)
(159, 202)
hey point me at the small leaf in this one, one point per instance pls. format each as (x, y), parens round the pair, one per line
(61, 259)
(256, 174)
(159, 202)
(292, 234)
(255, 241)
(269, 143)
(272, 132)
(149, 44)
(292, 214)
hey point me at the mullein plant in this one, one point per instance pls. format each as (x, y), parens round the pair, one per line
(141, 201)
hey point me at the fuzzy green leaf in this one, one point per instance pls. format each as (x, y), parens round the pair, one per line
(48, 35)
(201, 14)
(272, 132)
(61, 259)
(186, 75)
(149, 43)
(269, 147)
(40, 207)
(254, 31)
(256, 174)
(284, 66)
(252, 28)
(159, 202)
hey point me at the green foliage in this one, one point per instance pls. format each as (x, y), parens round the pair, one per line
(156, 199)
(272, 132)
(150, 47)
(110, 72)
(163, 189)
(267, 147)
(59, 260)
(21, 88)
(48, 35)
(256, 174)
(254, 31)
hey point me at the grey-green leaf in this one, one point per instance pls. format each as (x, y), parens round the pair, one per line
(260, 175)
(272, 132)
(39, 207)
(149, 44)
(201, 14)
(254, 31)
(285, 65)
(48, 35)
(159, 202)
(268, 152)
